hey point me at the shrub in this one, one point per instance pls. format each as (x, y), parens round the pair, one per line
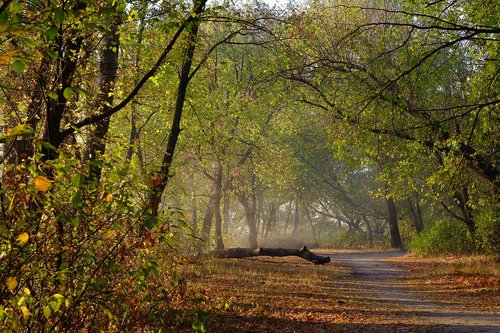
(488, 231)
(75, 256)
(444, 237)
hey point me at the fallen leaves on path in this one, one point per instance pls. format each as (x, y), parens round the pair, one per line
(290, 295)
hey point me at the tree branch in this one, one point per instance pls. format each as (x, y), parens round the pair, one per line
(152, 72)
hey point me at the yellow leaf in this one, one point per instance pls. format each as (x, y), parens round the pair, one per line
(11, 205)
(42, 184)
(11, 283)
(109, 197)
(22, 238)
(25, 310)
(16, 130)
(5, 59)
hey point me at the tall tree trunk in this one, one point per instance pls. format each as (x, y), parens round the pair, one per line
(369, 231)
(134, 132)
(194, 207)
(160, 179)
(207, 221)
(393, 224)
(259, 214)
(194, 214)
(249, 203)
(226, 211)
(415, 214)
(252, 223)
(270, 221)
(108, 67)
(466, 211)
(288, 217)
(311, 224)
(296, 219)
(219, 244)
(462, 197)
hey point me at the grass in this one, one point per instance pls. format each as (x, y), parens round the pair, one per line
(291, 295)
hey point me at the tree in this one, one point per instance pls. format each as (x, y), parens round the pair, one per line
(374, 77)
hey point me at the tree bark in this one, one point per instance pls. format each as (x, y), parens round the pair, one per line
(272, 252)
(207, 221)
(369, 231)
(249, 204)
(160, 179)
(462, 197)
(296, 219)
(288, 217)
(416, 215)
(219, 244)
(312, 226)
(134, 132)
(270, 221)
(108, 67)
(393, 224)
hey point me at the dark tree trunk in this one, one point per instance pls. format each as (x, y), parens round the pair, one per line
(462, 197)
(270, 221)
(249, 204)
(415, 214)
(56, 108)
(393, 224)
(160, 179)
(207, 221)
(254, 252)
(466, 210)
(219, 244)
(134, 132)
(252, 222)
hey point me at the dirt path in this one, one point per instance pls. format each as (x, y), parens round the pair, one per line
(386, 283)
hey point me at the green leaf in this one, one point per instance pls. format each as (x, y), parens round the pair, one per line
(48, 146)
(68, 93)
(47, 312)
(51, 54)
(76, 200)
(18, 66)
(51, 94)
(149, 222)
(81, 91)
(58, 16)
(56, 302)
(15, 7)
(77, 180)
(113, 178)
(52, 33)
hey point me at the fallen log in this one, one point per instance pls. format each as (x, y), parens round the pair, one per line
(272, 252)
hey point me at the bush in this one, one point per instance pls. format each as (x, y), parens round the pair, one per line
(345, 238)
(488, 231)
(444, 237)
(76, 256)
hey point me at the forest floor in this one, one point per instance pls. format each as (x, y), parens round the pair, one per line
(356, 292)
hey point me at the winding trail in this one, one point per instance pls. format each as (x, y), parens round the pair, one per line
(382, 282)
